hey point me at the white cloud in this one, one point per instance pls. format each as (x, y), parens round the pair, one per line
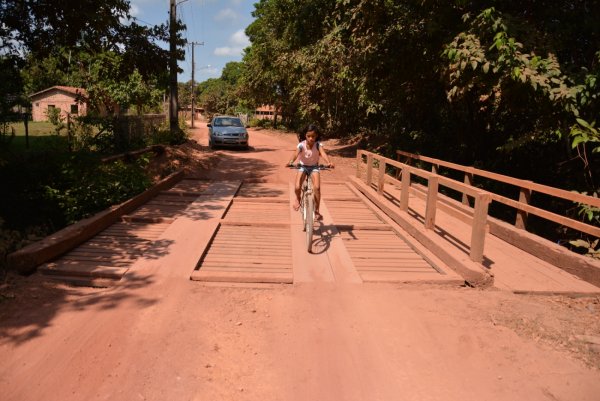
(226, 14)
(228, 51)
(238, 42)
(240, 38)
(134, 10)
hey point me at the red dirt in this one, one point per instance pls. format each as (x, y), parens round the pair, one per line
(163, 337)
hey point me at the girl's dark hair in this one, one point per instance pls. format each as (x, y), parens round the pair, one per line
(309, 127)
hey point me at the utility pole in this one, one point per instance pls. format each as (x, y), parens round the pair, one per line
(193, 68)
(173, 104)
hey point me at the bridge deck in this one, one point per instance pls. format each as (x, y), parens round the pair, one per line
(513, 269)
(249, 233)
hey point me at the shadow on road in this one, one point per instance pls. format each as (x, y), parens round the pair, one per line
(28, 313)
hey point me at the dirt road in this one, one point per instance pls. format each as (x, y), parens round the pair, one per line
(159, 336)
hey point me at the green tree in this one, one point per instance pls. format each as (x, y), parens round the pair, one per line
(213, 96)
(86, 43)
(446, 78)
(221, 95)
(38, 26)
(184, 93)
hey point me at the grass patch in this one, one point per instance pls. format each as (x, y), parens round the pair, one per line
(42, 137)
(36, 128)
(18, 144)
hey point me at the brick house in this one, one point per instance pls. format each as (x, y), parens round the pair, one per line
(67, 98)
(266, 112)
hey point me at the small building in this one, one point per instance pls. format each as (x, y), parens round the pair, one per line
(266, 112)
(186, 112)
(68, 99)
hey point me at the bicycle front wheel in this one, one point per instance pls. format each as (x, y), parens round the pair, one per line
(309, 220)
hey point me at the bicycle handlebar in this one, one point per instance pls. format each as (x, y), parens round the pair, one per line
(319, 166)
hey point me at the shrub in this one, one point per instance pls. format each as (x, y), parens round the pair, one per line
(85, 188)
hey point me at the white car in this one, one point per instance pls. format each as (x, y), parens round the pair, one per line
(227, 131)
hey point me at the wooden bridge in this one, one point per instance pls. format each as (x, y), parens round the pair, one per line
(380, 226)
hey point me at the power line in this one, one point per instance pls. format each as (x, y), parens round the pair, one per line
(142, 21)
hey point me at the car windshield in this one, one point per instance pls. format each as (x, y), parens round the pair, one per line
(227, 122)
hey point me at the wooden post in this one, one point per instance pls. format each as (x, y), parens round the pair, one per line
(435, 168)
(381, 177)
(405, 190)
(369, 169)
(482, 202)
(69, 140)
(468, 181)
(358, 163)
(26, 122)
(521, 219)
(432, 192)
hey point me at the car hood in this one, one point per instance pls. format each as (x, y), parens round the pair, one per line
(229, 130)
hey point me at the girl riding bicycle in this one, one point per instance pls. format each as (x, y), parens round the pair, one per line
(307, 153)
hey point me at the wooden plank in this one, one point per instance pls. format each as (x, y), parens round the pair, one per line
(384, 250)
(83, 270)
(405, 194)
(565, 221)
(260, 239)
(430, 208)
(105, 253)
(241, 277)
(179, 193)
(123, 242)
(246, 266)
(148, 220)
(280, 249)
(251, 237)
(240, 251)
(532, 186)
(478, 228)
(275, 224)
(381, 175)
(409, 277)
(399, 270)
(251, 260)
(266, 201)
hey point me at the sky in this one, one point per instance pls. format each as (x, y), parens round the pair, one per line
(219, 24)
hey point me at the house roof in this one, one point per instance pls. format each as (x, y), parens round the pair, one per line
(68, 89)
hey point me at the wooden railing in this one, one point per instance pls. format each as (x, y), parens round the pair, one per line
(378, 169)
(526, 189)
(482, 198)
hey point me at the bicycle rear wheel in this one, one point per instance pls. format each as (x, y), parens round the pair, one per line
(309, 219)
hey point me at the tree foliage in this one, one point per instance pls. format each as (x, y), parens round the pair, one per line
(221, 95)
(88, 44)
(509, 86)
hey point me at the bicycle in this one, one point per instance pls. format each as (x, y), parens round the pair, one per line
(307, 202)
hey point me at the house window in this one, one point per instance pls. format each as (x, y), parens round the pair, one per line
(74, 109)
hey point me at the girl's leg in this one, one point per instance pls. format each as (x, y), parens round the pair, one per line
(316, 179)
(300, 176)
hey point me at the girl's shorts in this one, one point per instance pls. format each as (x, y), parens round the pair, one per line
(308, 170)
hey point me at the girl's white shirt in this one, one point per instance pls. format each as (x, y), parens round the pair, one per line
(309, 157)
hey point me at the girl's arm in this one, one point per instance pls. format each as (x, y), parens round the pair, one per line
(323, 154)
(294, 156)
